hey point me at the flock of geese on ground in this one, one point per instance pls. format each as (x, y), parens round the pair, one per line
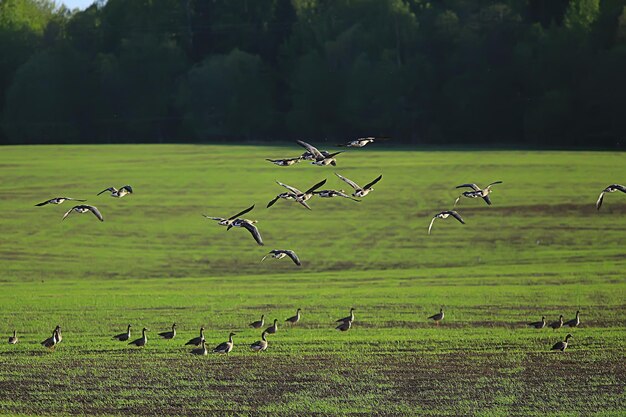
(320, 158)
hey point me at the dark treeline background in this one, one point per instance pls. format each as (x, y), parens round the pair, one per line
(525, 72)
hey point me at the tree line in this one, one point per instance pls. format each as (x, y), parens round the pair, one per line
(522, 72)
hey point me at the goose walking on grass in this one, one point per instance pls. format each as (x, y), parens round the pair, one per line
(294, 319)
(260, 345)
(284, 162)
(557, 324)
(538, 324)
(573, 322)
(281, 253)
(202, 350)
(272, 329)
(225, 347)
(229, 221)
(476, 192)
(123, 337)
(169, 335)
(259, 323)
(358, 191)
(444, 215)
(562, 345)
(127, 189)
(196, 341)
(334, 193)
(349, 318)
(610, 189)
(142, 341)
(250, 227)
(13, 339)
(345, 326)
(297, 195)
(437, 317)
(52, 341)
(359, 143)
(57, 200)
(84, 208)
(317, 157)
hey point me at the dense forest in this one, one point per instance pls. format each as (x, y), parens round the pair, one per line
(522, 72)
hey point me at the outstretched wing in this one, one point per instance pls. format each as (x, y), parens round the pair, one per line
(127, 188)
(494, 183)
(487, 199)
(290, 188)
(620, 187)
(293, 257)
(96, 212)
(43, 204)
(456, 216)
(271, 203)
(349, 182)
(242, 213)
(373, 182)
(304, 203)
(600, 199)
(344, 195)
(110, 189)
(314, 151)
(219, 219)
(472, 186)
(431, 224)
(67, 213)
(316, 186)
(254, 231)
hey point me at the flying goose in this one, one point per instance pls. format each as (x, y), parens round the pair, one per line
(58, 200)
(359, 143)
(284, 162)
(225, 347)
(437, 317)
(557, 324)
(141, 342)
(349, 318)
(260, 345)
(51, 342)
(317, 157)
(123, 337)
(127, 189)
(444, 215)
(297, 195)
(287, 196)
(573, 322)
(345, 326)
(13, 339)
(294, 319)
(169, 335)
(84, 208)
(334, 193)
(610, 189)
(281, 253)
(250, 227)
(272, 329)
(538, 324)
(358, 191)
(229, 221)
(562, 345)
(196, 341)
(477, 192)
(202, 350)
(259, 323)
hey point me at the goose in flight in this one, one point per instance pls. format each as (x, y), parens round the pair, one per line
(538, 324)
(84, 208)
(281, 253)
(358, 191)
(229, 221)
(359, 143)
(610, 189)
(127, 189)
(287, 196)
(58, 200)
(123, 337)
(334, 193)
(444, 215)
(318, 158)
(476, 192)
(562, 345)
(285, 162)
(225, 347)
(297, 195)
(250, 227)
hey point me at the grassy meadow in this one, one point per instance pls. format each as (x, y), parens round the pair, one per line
(541, 249)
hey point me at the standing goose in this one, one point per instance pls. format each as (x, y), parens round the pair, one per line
(557, 324)
(281, 253)
(259, 323)
(349, 318)
(196, 341)
(127, 189)
(476, 192)
(610, 189)
(317, 157)
(84, 208)
(562, 345)
(272, 329)
(299, 196)
(57, 200)
(359, 143)
(358, 191)
(51, 342)
(294, 319)
(250, 227)
(141, 342)
(229, 221)
(284, 162)
(225, 347)
(202, 350)
(260, 345)
(345, 326)
(539, 324)
(573, 322)
(13, 339)
(437, 317)
(123, 337)
(334, 193)
(169, 335)
(444, 215)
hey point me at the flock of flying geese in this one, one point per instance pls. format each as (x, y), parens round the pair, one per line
(320, 158)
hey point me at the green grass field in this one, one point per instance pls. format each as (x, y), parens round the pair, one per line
(541, 249)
